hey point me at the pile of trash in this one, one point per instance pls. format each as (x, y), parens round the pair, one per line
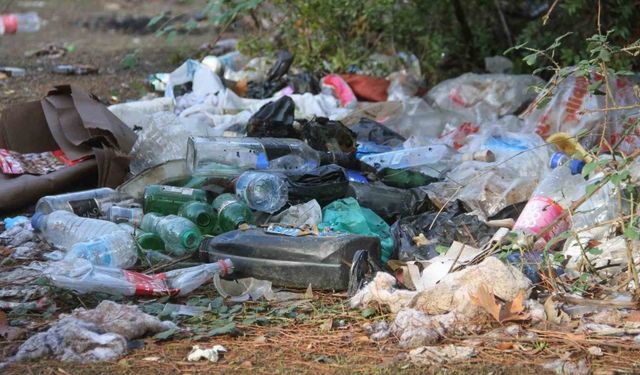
(448, 208)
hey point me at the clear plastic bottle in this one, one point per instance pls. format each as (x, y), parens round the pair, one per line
(19, 23)
(132, 215)
(83, 277)
(432, 160)
(230, 156)
(65, 230)
(559, 158)
(180, 235)
(555, 193)
(88, 203)
(262, 191)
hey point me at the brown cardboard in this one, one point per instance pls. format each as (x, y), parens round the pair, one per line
(73, 120)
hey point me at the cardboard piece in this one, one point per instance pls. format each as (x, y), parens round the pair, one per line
(73, 120)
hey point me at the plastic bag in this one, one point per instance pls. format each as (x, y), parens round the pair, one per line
(323, 134)
(346, 215)
(325, 184)
(372, 131)
(417, 237)
(274, 119)
(484, 97)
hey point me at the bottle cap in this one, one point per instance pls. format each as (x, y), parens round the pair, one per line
(486, 156)
(37, 221)
(556, 159)
(576, 166)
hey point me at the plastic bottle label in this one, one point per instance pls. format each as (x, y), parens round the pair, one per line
(178, 190)
(538, 214)
(85, 208)
(97, 253)
(149, 285)
(10, 22)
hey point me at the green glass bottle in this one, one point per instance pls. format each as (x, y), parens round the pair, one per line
(146, 240)
(167, 200)
(404, 178)
(231, 212)
(201, 214)
(180, 235)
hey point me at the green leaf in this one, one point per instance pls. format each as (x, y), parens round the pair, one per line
(588, 168)
(594, 251)
(155, 19)
(530, 59)
(226, 329)
(368, 312)
(631, 233)
(441, 249)
(591, 188)
(164, 335)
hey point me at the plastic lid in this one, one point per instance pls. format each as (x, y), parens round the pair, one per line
(262, 162)
(556, 159)
(576, 166)
(37, 221)
(190, 239)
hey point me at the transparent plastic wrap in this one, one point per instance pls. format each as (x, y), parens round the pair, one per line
(163, 137)
(418, 118)
(484, 97)
(83, 277)
(487, 188)
(574, 110)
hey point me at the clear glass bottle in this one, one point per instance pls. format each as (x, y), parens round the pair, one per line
(230, 156)
(87, 203)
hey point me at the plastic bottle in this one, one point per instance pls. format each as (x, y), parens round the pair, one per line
(261, 191)
(555, 193)
(19, 23)
(230, 156)
(168, 200)
(83, 277)
(131, 215)
(231, 212)
(559, 158)
(88, 203)
(432, 160)
(201, 214)
(64, 230)
(180, 235)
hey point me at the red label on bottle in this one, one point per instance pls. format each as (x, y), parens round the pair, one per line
(10, 22)
(149, 285)
(538, 214)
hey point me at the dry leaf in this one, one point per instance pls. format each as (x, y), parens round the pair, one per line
(504, 346)
(260, 340)
(363, 339)
(327, 325)
(633, 316)
(555, 315)
(508, 312)
(420, 240)
(246, 364)
(485, 299)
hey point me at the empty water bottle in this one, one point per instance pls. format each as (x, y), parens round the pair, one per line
(559, 158)
(432, 160)
(261, 191)
(227, 156)
(167, 200)
(131, 215)
(231, 212)
(201, 214)
(180, 235)
(19, 23)
(88, 203)
(96, 240)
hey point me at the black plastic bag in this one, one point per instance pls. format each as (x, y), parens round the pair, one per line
(275, 78)
(448, 227)
(303, 83)
(372, 131)
(323, 134)
(389, 203)
(324, 184)
(274, 119)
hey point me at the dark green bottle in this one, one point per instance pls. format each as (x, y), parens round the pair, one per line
(404, 178)
(167, 200)
(201, 214)
(231, 213)
(146, 240)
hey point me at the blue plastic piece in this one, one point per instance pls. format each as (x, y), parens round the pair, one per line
(10, 222)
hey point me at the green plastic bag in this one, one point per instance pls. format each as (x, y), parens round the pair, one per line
(346, 215)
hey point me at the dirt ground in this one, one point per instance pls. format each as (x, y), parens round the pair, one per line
(99, 33)
(290, 345)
